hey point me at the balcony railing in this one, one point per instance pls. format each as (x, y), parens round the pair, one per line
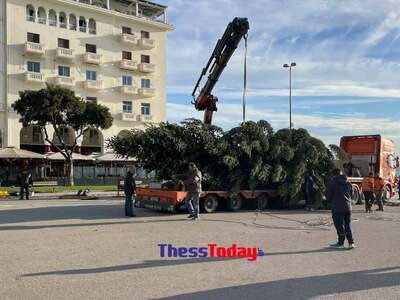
(131, 117)
(34, 48)
(127, 64)
(145, 118)
(146, 43)
(147, 92)
(65, 53)
(30, 18)
(92, 84)
(72, 27)
(128, 38)
(42, 20)
(65, 81)
(34, 77)
(128, 90)
(63, 25)
(92, 58)
(82, 28)
(146, 67)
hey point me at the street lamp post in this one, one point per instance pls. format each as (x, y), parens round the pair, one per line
(293, 64)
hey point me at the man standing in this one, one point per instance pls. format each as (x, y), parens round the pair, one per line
(130, 191)
(339, 192)
(379, 189)
(368, 189)
(192, 180)
(25, 180)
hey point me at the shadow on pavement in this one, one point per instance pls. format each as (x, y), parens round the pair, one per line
(163, 263)
(70, 212)
(305, 287)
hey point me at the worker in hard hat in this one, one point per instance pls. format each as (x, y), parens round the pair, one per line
(368, 189)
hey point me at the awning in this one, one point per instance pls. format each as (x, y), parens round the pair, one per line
(112, 157)
(15, 153)
(75, 156)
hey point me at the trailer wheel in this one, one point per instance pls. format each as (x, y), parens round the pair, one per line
(386, 194)
(209, 204)
(262, 202)
(234, 204)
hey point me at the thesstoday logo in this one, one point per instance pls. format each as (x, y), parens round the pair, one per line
(211, 250)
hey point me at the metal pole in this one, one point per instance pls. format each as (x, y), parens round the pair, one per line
(290, 97)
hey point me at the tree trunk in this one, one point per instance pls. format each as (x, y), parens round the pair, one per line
(70, 172)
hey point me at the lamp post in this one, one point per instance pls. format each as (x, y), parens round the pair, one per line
(293, 64)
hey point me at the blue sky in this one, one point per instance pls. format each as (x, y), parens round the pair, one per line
(347, 53)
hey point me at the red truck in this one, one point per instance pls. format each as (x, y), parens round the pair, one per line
(371, 154)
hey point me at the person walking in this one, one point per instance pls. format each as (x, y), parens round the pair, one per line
(339, 192)
(368, 189)
(130, 192)
(25, 181)
(192, 180)
(379, 189)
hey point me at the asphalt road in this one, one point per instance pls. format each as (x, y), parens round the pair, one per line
(70, 249)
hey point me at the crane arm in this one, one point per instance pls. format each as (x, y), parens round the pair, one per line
(225, 47)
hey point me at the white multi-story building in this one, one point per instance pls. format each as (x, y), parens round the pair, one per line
(109, 51)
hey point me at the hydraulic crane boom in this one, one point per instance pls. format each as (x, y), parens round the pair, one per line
(226, 46)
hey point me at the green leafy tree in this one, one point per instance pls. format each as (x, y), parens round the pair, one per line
(59, 108)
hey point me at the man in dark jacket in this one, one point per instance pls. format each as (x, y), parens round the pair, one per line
(192, 180)
(25, 180)
(130, 191)
(339, 192)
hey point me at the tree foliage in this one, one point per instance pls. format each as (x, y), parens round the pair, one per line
(58, 108)
(250, 156)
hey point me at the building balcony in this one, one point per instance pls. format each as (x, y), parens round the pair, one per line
(34, 77)
(145, 118)
(127, 64)
(146, 67)
(146, 43)
(64, 53)
(34, 48)
(128, 90)
(65, 81)
(131, 117)
(128, 38)
(92, 84)
(147, 92)
(92, 58)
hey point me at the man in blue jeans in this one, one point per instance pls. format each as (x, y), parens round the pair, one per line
(339, 192)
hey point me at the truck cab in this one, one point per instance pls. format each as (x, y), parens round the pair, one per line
(371, 154)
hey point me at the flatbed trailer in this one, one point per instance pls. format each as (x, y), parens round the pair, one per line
(210, 201)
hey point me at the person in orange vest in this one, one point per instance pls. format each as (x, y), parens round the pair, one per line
(379, 187)
(368, 188)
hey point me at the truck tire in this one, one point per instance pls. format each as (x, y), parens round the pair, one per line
(209, 204)
(234, 204)
(386, 194)
(262, 202)
(356, 195)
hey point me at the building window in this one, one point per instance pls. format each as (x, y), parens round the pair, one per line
(145, 34)
(145, 109)
(42, 16)
(91, 75)
(145, 59)
(127, 55)
(33, 66)
(91, 100)
(145, 83)
(127, 106)
(63, 43)
(63, 71)
(52, 18)
(62, 18)
(127, 80)
(82, 24)
(92, 26)
(91, 48)
(30, 13)
(126, 30)
(72, 22)
(33, 37)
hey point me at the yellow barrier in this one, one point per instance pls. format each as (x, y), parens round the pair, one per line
(3, 194)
